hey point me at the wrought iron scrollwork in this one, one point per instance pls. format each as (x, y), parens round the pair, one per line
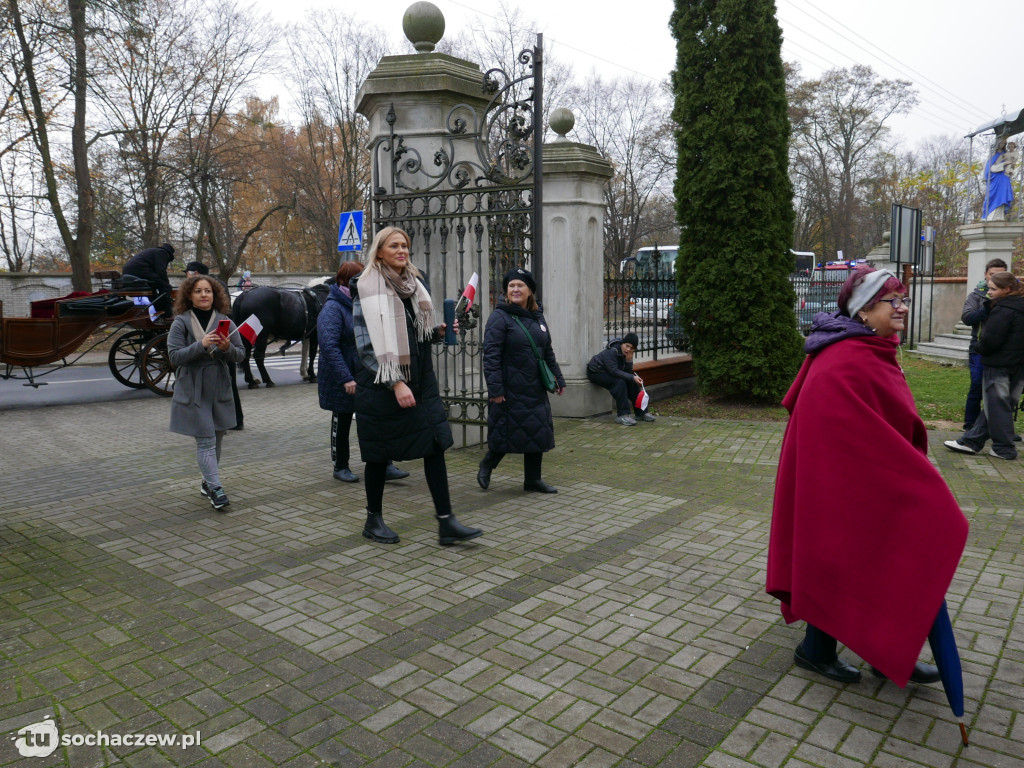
(502, 139)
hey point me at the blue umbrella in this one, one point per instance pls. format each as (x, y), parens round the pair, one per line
(947, 659)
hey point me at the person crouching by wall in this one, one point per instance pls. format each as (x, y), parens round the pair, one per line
(201, 405)
(336, 384)
(519, 414)
(612, 368)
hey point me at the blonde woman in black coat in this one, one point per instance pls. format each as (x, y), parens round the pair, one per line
(399, 413)
(519, 414)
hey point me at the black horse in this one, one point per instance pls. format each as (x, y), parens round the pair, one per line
(285, 314)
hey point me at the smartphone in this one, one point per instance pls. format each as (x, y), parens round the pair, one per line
(224, 327)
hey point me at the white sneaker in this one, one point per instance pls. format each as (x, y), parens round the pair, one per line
(956, 445)
(626, 421)
(992, 452)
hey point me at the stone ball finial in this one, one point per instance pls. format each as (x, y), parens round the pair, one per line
(423, 24)
(561, 121)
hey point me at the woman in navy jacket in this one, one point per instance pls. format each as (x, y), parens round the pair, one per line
(519, 414)
(336, 384)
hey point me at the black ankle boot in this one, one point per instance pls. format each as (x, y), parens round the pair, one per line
(376, 530)
(483, 476)
(451, 531)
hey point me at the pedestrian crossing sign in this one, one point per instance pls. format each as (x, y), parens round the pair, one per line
(350, 231)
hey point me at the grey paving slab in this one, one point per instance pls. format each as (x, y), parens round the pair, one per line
(621, 622)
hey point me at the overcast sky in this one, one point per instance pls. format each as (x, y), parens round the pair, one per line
(957, 54)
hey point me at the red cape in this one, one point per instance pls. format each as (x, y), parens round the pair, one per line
(866, 534)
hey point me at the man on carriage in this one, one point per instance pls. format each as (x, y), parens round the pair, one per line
(151, 265)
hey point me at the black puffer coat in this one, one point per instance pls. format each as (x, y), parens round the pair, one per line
(521, 424)
(388, 432)
(1001, 343)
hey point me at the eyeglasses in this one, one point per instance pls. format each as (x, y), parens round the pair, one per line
(898, 301)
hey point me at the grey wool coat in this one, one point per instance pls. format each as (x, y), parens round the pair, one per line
(202, 404)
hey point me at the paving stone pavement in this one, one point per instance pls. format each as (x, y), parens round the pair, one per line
(621, 622)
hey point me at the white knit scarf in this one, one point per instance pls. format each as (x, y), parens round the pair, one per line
(381, 291)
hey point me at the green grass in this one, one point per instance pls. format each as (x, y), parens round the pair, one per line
(939, 391)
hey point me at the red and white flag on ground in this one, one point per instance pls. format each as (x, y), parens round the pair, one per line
(466, 300)
(251, 328)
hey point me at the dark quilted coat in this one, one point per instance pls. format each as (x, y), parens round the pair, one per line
(337, 352)
(388, 432)
(521, 424)
(1001, 341)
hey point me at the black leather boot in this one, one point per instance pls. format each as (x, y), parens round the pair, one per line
(539, 486)
(376, 530)
(923, 674)
(483, 476)
(451, 531)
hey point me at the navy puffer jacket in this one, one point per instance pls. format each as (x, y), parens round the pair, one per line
(521, 424)
(337, 352)
(612, 362)
(388, 432)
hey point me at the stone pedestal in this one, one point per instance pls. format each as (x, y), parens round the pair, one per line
(988, 240)
(574, 177)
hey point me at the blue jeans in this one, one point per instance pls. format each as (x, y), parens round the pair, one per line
(1001, 391)
(973, 405)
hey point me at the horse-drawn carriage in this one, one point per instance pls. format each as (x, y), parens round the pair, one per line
(57, 328)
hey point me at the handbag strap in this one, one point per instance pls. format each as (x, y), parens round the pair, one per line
(529, 337)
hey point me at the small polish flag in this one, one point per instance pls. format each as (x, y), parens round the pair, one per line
(251, 328)
(642, 399)
(466, 300)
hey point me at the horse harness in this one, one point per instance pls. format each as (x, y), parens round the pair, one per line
(309, 295)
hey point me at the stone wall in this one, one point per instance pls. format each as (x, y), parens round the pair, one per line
(18, 289)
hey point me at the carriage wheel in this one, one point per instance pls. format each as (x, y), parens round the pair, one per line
(125, 358)
(157, 371)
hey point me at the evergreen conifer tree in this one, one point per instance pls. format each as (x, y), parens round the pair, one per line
(734, 198)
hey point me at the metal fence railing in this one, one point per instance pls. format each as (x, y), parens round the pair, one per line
(817, 291)
(645, 307)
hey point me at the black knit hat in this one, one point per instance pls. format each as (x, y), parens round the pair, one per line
(631, 338)
(168, 247)
(518, 273)
(197, 266)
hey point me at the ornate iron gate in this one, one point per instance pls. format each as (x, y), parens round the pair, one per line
(472, 208)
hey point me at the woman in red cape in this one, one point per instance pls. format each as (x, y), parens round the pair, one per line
(866, 535)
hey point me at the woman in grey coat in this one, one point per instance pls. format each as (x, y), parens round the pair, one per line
(202, 405)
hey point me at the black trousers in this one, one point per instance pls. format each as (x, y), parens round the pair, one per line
(623, 392)
(341, 425)
(531, 464)
(819, 646)
(233, 372)
(434, 468)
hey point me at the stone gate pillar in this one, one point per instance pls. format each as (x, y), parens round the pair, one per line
(987, 240)
(574, 176)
